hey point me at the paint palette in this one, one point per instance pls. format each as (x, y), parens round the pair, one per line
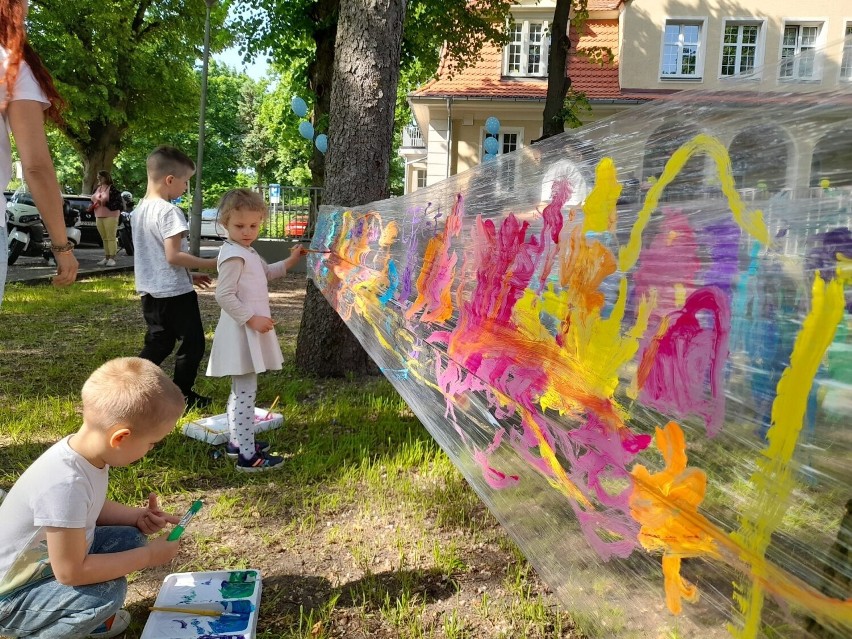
(233, 593)
(214, 430)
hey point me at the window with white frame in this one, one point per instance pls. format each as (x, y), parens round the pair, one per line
(799, 51)
(508, 140)
(526, 54)
(420, 175)
(740, 48)
(846, 63)
(682, 49)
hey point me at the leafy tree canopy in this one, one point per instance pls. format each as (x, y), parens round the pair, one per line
(125, 66)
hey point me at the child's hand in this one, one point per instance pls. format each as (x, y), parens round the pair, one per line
(151, 519)
(201, 280)
(260, 323)
(298, 251)
(161, 551)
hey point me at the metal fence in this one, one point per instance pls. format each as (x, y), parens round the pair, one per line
(293, 216)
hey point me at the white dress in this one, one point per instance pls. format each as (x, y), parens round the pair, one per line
(238, 349)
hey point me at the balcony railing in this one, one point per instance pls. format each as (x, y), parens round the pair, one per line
(412, 137)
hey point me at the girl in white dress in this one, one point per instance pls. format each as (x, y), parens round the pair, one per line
(245, 342)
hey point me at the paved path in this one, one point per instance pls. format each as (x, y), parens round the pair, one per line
(34, 269)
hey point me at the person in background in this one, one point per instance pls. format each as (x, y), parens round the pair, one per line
(27, 96)
(65, 549)
(107, 206)
(245, 342)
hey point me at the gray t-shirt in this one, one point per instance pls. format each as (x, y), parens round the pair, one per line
(155, 220)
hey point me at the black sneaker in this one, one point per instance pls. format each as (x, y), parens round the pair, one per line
(194, 400)
(259, 463)
(234, 451)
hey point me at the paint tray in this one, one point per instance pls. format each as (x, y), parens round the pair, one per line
(214, 430)
(234, 591)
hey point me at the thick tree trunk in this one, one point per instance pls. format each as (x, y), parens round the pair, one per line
(558, 82)
(366, 74)
(98, 152)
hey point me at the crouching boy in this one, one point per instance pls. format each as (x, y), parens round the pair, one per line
(65, 549)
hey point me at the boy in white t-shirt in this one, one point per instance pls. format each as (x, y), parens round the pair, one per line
(161, 262)
(65, 549)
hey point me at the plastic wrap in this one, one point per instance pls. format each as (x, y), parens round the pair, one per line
(633, 340)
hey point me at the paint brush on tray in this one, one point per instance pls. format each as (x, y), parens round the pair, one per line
(239, 608)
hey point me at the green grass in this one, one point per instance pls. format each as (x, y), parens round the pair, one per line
(369, 529)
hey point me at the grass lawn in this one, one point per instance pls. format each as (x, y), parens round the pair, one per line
(369, 531)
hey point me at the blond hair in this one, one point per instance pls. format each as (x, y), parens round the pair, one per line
(240, 200)
(167, 160)
(131, 391)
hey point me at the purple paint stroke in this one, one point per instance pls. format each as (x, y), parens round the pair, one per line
(495, 478)
(672, 258)
(676, 367)
(723, 238)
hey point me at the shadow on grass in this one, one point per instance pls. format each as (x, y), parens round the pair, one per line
(372, 591)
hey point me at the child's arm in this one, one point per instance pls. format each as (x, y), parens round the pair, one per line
(73, 565)
(176, 257)
(280, 269)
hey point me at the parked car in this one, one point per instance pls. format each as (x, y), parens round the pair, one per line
(210, 227)
(296, 226)
(88, 226)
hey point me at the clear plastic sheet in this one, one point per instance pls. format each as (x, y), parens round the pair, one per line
(634, 341)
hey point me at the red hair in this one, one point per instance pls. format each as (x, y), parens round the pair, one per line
(13, 38)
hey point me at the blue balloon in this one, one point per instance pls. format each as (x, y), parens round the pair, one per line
(322, 142)
(491, 146)
(299, 107)
(492, 125)
(306, 130)
(488, 157)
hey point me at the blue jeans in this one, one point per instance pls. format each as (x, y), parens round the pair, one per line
(50, 610)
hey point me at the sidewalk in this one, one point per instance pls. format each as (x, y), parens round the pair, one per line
(33, 270)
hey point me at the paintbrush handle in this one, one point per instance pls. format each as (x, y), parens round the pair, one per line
(187, 611)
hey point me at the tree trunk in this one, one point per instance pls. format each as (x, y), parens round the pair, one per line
(98, 152)
(363, 96)
(558, 82)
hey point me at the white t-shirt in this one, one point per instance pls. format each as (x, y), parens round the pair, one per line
(61, 489)
(155, 220)
(26, 88)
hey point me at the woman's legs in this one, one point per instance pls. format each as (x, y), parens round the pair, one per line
(50, 610)
(107, 227)
(241, 413)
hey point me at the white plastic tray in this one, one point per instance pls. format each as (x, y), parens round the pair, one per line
(214, 430)
(224, 590)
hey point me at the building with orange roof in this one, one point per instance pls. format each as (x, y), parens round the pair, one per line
(659, 49)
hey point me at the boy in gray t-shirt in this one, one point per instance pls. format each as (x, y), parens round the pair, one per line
(162, 261)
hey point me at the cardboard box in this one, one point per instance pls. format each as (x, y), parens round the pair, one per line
(214, 430)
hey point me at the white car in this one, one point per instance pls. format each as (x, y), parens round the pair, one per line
(210, 227)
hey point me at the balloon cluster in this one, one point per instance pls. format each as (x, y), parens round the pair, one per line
(491, 144)
(306, 129)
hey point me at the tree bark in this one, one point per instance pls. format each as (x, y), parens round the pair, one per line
(320, 76)
(558, 81)
(363, 95)
(98, 152)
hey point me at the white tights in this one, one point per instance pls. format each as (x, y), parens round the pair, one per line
(241, 413)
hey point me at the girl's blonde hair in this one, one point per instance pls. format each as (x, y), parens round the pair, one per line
(130, 391)
(240, 199)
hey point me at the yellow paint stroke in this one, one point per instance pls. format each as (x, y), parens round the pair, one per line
(750, 221)
(773, 479)
(599, 207)
(560, 481)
